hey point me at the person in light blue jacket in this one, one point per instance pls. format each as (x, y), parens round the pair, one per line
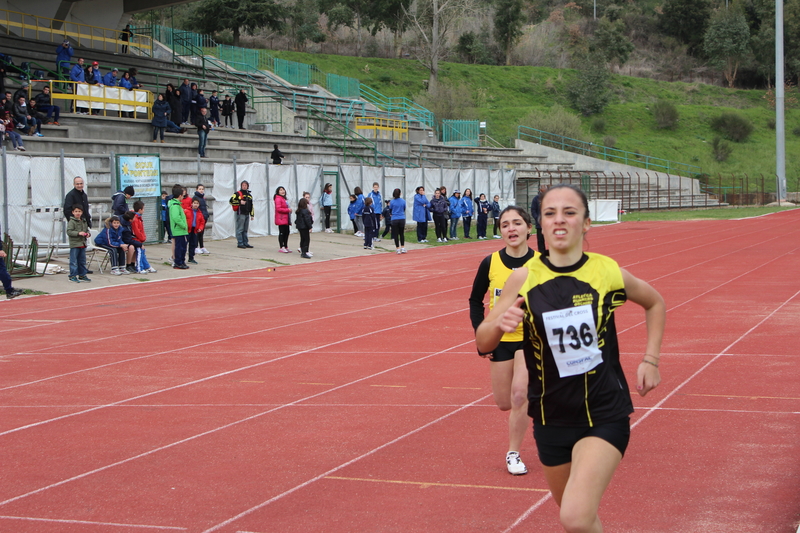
(326, 201)
(110, 79)
(455, 213)
(377, 202)
(467, 210)
(421, 214)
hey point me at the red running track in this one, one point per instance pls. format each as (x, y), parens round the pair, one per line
(347, 396)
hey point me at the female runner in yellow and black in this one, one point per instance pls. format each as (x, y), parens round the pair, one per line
(578, 395)
(509, 375)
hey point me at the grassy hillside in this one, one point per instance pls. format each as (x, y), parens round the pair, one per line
(503, 95)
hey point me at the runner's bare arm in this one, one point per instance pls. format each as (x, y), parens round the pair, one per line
(655, 312)
(505, 316)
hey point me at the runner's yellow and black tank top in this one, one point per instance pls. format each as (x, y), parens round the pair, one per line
(575, 377)
(498, 275)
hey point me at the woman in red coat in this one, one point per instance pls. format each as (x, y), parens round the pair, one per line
(282, 219)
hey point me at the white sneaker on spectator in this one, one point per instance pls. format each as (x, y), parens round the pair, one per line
(198, 251)
(515, 465)
(402, 250)
(116, 272)
(152, 270)
(205, 252)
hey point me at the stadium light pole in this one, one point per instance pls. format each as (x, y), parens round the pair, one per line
(780, 129)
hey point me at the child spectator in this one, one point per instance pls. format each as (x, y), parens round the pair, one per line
(165, 226)
(78, 232)
(7, 130)
(213, 107)
(307, 196)
(483, 209)
(387, 219)
(495, 208)
(130, 242)
(110, 239)
(359, 212)
(119, 204)
(200, 194)
(195, 223)
(178, 228)
(137, 225)
(227, 110)
(351, 211)
(282, 219)
(370, 228)
(326, 201)
(304, 222)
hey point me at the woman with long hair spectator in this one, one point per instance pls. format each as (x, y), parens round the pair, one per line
(398, 208)
(282, 219)
(467, 209)
(439, 207)
(421, 214)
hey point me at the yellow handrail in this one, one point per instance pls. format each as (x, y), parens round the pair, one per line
(36, 27)
(381, 127)
(101, 98)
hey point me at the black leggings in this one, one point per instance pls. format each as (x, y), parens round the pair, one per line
(283, 235)
(399, 232)
(440, 225)
(327, 210)
(200, 238)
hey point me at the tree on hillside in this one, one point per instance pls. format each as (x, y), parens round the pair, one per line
(611, 41)
(760, 15)
(591, 91)
(727, 42)
(390, 14)
(686, 20)
(303, 24)
(211, 16)
(354, 14)
(508, 21)
(432, 21)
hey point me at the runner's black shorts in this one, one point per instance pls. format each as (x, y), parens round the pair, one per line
(555, 443)
(505, 351)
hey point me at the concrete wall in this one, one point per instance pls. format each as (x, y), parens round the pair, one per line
(591, 164)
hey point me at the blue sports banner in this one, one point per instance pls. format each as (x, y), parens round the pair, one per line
(142, 172)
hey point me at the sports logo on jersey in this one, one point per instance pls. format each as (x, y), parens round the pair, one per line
(582, 299)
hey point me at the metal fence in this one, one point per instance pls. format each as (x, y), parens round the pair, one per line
(461, 132)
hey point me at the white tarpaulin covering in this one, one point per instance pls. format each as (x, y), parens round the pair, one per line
(604, 210)
(114, 93)
(263, 181)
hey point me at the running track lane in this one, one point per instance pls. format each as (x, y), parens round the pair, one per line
(385, 400)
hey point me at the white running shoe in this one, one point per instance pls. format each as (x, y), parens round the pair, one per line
(205, 252)
(152, 270)
(399, 251)
(403, 250)
(497, 237)
(444, 239)
(439, 239)
(116, 272)
(515, 465)
(198, 251)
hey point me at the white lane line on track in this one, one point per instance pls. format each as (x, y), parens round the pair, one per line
(341, 466)
(219, 340)
(657, 406)
(231, 424)
(111, 524)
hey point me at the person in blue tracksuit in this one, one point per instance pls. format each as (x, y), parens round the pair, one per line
(110, 79)
(467, 210)
(455, 213)
(398, 208)
(359, 207)
(421, 214)
(377, 204)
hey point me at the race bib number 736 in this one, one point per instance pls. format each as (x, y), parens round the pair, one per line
(572, 336)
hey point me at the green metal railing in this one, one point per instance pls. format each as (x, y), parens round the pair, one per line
(345, 136)
(606, 153)
(461, 132)
(343, 86)
(396, 107)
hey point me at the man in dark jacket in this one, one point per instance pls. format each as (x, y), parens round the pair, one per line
(276, 155)
(242, 203)
(77, 196)
(203, 127)
(241, 107)
(186, 100)
(536, 215)
(45, 105)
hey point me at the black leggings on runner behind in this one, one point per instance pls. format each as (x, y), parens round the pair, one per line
(327, 210)
(399, 232)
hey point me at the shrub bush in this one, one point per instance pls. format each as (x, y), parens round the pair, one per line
(609, 141)
(733, 126)
(598, 125)
(771, 123)
(666, 115)
(796, 131)
(721, 149)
